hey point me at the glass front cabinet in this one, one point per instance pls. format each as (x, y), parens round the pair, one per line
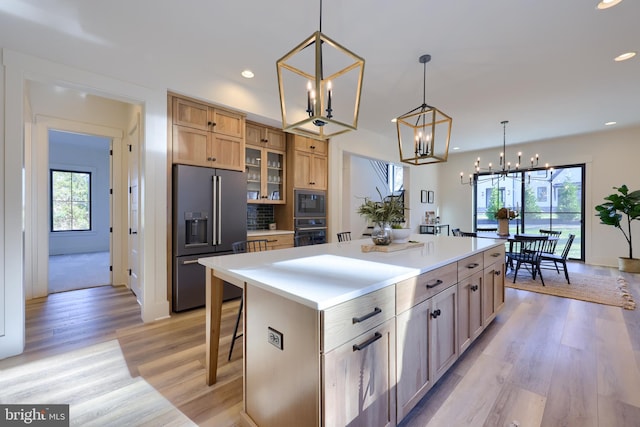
(265, 175)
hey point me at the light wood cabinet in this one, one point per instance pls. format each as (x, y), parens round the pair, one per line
(310, 163)
(493, 284)
(279, 241)
(413, 369)
(266, 177)
(359, 378)
(444, 331)
(470, 316)
(264, 136)
(204, 135)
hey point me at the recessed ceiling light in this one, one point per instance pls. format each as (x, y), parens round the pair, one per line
(606, 4)
(456, 148)
(624, 56)
(247, 74)
(610, 123)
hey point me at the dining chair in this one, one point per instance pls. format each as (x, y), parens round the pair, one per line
(546, 259)
(486, 229)
(553, 239)
(468, 234)
(527, 251)
(344, 236)
(455, 231)
(239, 247)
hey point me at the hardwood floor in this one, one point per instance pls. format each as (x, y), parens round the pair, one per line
(545, 361)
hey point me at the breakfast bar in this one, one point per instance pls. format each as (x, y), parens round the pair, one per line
(331, 329)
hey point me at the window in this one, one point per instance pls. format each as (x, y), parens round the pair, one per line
(542, 194)
(70, 200)
(396, 180)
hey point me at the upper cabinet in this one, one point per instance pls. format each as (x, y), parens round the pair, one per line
(205, 135)
(310, 163)
(265, 136)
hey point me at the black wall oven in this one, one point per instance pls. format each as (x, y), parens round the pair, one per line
(310, 204)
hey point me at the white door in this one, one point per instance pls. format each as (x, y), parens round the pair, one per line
(133, 210)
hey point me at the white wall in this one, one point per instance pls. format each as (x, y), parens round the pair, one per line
(77, 152)
(611, 159)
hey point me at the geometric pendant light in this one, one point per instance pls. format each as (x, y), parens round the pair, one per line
(424, 132)
(332, 77)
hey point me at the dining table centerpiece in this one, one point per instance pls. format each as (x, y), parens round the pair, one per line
(504, 215)
(382, 214)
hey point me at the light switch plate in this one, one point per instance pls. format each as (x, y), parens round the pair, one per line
(275, 338)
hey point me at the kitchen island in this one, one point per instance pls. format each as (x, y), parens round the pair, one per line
(337, 336)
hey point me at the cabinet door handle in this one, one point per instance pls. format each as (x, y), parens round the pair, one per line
(434, 284)
(472, 265)
(374, 338)
(211, 123)
(497, 272)
(375, 311)
(435, 313)
(474, 288)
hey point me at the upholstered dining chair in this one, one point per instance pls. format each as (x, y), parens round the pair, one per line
(344, 236)
(547, 259)
(242, 246)
(527, 251)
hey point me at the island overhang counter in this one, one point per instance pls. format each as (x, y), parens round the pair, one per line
(311, 288)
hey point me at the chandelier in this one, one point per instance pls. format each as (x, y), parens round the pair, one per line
(332, 76)
(424, 132)
(505, 168)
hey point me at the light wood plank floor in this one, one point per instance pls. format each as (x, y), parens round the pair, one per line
(545, 361)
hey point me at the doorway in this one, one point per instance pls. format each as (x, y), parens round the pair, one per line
(79, 211)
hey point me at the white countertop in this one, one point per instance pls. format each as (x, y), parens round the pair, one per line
(321, 276)
(257, 233)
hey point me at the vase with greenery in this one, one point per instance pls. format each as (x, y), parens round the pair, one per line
(389, 210)
(619, 211)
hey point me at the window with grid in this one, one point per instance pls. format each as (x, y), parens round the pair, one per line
(70, 200)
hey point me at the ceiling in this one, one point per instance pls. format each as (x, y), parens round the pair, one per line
(545, 66)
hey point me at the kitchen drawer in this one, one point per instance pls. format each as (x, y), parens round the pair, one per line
(346, 321)
(280, 241)
(470, 265)
(413, 291)
(493, 255)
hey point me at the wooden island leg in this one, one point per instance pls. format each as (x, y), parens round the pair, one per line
(213, 298)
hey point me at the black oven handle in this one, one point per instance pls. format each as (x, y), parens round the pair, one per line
(310, 228)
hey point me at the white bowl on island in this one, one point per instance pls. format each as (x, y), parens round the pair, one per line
(400, 235)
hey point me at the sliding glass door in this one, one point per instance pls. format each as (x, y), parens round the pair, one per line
(549, 200)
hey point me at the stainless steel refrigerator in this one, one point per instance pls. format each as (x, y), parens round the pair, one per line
(209, 214)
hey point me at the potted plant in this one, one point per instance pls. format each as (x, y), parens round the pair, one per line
(382, 214)
(620, 210)
(503, 215)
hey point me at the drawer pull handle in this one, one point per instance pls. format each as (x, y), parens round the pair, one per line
(435, 313)
(376, 337)
(472, 265)
(495, 254)
(367, 316)
(434, 284)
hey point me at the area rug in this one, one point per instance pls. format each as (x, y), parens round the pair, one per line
(598, 289)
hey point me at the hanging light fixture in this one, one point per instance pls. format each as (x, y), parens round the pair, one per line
(332, 76)
(424, 132)
(505, 168)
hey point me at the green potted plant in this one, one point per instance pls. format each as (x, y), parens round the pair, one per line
(382, 214)
(620, 210)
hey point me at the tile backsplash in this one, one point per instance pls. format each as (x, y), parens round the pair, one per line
(259, 217)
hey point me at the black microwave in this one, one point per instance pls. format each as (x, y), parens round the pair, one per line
(310, 203)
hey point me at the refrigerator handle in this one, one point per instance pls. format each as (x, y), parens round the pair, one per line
(214, 200)
(219, 213)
